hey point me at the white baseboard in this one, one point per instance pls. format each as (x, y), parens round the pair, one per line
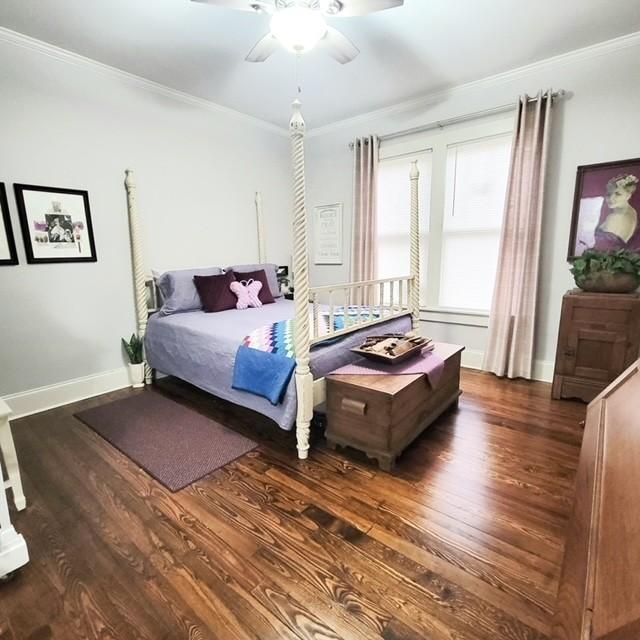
(542, 369)
(472, 359)
(25, 403)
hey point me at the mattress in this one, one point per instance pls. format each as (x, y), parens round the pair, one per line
(200, 348)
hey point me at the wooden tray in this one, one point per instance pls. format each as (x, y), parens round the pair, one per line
(419, 346)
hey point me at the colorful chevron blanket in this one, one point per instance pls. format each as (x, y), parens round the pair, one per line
(273, 338)
(266, 358)
(278, 337)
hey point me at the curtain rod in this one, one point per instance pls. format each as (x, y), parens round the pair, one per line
(440, 124)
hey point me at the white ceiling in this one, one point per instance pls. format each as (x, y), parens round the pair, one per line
(426, 45)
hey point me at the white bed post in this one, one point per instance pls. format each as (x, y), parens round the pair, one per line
(137, 259)
(262, 252)
(304, 379)
(415, 249)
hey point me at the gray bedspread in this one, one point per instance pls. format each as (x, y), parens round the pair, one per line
(200, 348)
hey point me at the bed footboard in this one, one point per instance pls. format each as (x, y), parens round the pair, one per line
(343, 308)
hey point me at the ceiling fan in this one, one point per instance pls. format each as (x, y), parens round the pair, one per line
(300, 25)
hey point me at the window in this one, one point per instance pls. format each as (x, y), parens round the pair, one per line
(475, 187)
(394, 212)
(463, 181)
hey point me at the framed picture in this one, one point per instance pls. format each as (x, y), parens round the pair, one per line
(327, 234)
(284, 282)
(56, 224)
(8, 253)
(606, 208)
(282, 272)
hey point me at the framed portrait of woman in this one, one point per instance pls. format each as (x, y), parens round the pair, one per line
(606, 208)
(8, 255)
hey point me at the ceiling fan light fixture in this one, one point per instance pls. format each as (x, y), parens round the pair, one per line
(331, 7)
(298, 28)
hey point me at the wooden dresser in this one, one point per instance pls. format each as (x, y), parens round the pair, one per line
(599, 596)
(599, 337)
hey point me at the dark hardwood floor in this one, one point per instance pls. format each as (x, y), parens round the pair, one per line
(464, 541)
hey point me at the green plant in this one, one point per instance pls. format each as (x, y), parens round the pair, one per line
(592, 262)
(134, 349)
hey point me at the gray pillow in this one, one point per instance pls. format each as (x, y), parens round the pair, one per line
(178, 290)
(269, 269)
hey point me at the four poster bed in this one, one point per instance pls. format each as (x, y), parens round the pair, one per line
(200, 348)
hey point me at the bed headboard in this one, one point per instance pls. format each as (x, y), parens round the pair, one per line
(149, 290)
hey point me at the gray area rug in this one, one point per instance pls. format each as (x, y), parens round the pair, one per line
(174, 444)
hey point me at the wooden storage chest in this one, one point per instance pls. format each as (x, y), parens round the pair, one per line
(382, 414)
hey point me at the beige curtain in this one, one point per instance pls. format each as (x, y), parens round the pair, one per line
(513, 312)
(365, 176)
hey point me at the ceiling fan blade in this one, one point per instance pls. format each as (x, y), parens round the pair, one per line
(242, 5)
(338, 46)
(263, 49)
(363, 7)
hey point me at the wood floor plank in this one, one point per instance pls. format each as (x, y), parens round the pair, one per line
(329, 545)
(209, 560)
(411, 534)
(463, 542)
(109, 549)
(289, 541)
(415, 591)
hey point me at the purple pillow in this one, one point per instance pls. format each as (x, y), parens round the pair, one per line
(178, 290)
(269, 269)
(265, 294)
(214, 292)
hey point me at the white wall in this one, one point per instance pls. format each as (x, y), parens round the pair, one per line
(78, 125)
(71, 124)
(598, 122)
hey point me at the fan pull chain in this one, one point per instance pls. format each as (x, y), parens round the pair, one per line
(297, 74)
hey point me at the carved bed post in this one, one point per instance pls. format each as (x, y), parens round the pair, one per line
(137, 259)
(262, 252)
(415, 249)
(304, 379)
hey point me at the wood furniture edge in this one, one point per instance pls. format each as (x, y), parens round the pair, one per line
(572, 385)
(345, 378)
(563, 624)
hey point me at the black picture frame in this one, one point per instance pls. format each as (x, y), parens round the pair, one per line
(8, 229)
(582, 173)
(23, 214)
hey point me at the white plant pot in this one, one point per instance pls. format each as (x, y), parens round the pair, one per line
(136, 375)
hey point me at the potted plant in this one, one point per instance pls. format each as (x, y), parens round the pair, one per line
(135, 351)
(607, 271)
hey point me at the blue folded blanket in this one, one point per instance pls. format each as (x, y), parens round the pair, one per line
(266, 359)
(262, 373)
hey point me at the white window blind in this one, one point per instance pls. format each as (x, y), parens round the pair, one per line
(475, 188)
(463, 180)
(393, 210)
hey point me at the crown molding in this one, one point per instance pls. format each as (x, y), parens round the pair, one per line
(63, 55)
(571, 57)
(414, 104)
